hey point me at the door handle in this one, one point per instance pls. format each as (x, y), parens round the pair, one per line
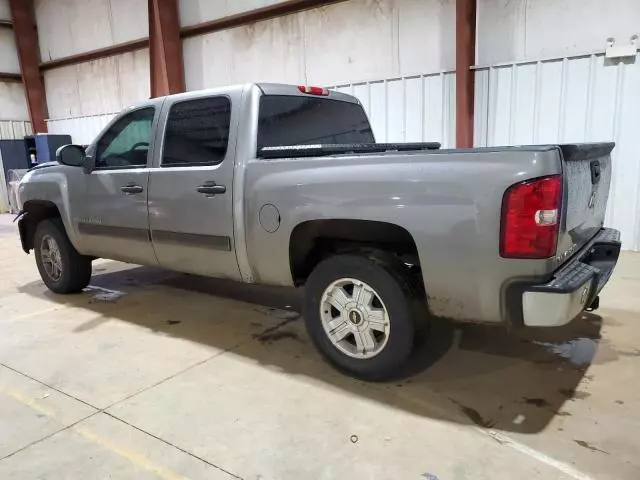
(210, 189)
(131, 188)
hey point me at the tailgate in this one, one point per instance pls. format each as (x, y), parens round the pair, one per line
(587, 176)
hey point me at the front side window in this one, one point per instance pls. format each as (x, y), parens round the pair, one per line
(126, 143)
(197, 132)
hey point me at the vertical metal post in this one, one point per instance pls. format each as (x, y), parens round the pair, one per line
(165, 48)
(26, 35)
(465, 59)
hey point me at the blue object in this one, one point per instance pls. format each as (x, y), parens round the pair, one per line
(47, 144)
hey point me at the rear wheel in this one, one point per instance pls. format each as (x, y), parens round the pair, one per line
(358, 314)
(61, 267)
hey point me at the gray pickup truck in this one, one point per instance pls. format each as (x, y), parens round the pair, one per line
(285, 185)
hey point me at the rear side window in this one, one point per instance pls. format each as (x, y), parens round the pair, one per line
(300, 120)
(197, 132)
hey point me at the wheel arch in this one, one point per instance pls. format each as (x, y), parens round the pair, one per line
(33, 212)
(312, 241)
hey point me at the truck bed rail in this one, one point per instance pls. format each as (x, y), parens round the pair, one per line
(288, 151)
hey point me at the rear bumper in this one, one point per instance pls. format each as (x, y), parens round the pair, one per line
(575, 286)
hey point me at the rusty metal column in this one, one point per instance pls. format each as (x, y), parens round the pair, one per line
(165, 48)
(465, 59)
(26, 35)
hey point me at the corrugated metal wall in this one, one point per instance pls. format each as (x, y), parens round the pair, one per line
(418, 108)
(14, 129)
(583, 98)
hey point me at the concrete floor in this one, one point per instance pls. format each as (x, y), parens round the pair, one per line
(150, 374)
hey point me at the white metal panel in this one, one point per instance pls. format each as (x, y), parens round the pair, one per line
(197, 11)
(13, 103)
(14, 129)
(5, 11)
(524, 29)
(418, 108)
(82, 129)
(584, 98)
(8, 53)
(392, 38)
(68, 27)
(100, 86)
(270, 51)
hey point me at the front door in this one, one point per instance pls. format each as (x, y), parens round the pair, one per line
(113, 219)
(190, 189)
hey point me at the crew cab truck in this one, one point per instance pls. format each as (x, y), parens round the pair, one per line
(285, 185)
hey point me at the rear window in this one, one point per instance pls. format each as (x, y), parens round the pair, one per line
(297, 120)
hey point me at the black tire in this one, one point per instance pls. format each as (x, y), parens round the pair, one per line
(385, 276)
(76, 268)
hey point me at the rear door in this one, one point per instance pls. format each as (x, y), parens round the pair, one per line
(190, 188)
(587, 176)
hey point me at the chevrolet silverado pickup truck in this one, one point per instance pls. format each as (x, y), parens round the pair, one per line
(285, 185)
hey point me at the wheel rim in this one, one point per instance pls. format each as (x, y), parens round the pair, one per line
(354, 318)
(51, 258)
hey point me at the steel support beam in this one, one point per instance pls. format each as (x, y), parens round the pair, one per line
(165, 48)
(26, 35)
(465, 59)
(110, 51)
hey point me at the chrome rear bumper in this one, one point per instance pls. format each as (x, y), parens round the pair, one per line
(575, 285)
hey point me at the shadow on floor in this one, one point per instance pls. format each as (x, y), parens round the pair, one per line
(488, 376)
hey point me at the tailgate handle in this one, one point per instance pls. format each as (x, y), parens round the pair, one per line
(595, 172)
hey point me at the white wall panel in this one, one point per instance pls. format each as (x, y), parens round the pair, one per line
(13, 103)
(198, 11)
(5, 11)
(82, 129)
(68, 27)
(100, 86)
(384, 37)
(419, 108)
(270, 51)
(14, 129)
(576, 99)
(8, 53)
(513, 30)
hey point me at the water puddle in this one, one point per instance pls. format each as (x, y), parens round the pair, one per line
(100, 294)
(579, 351)
(583, 351)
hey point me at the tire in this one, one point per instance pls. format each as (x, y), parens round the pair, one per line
(68, 272)
(378, 355)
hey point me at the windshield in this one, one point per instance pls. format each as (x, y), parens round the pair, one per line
(297, 120)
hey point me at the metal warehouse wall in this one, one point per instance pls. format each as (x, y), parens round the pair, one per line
(576, 99)
(416, 108)
(351, 41)
(69, 27)
(100, 86)
(13, 105)
(193, 12)
(513, 30)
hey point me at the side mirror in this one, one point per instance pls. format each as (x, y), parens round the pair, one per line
(72, 155)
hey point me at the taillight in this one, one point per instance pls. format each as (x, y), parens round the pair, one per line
(313, 90)
(530, 218)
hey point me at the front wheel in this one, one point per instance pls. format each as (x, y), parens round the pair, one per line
(61, 267)
(358, 314)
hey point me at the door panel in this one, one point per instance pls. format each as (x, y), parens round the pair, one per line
(190, 194)
(115, 224)
(113, 219)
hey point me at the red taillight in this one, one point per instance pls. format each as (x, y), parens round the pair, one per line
(313, 90)
(530, 218)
